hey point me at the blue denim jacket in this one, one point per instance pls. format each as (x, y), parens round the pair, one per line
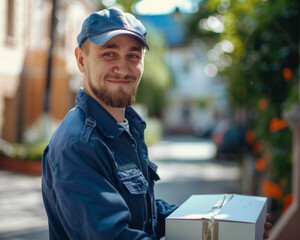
(97, 179)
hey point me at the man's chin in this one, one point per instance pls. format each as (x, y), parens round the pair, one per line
(119, 102)
(117, 99)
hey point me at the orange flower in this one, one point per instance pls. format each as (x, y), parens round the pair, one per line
(283, 181)
(260, 164)
(267, 156)
(258, 147)
(277, 124)
(287, 74)
(272, 190)
(250, 137)
(287, 202)
(263, 104)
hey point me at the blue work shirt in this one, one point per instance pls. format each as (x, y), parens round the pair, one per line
(97, 180)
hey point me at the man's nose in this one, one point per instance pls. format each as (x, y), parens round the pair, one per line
(121, 67)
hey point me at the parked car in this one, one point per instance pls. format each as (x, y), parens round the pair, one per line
(229, 139)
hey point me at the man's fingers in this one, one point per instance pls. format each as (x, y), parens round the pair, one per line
(268, 226)
(266, 235)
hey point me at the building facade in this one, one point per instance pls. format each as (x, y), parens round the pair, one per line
(196, 100)
(25, 40)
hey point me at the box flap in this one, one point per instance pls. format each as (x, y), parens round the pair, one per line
(222, 207)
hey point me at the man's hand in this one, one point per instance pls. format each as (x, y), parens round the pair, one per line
(268, 227)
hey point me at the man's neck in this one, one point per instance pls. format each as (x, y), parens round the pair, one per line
(117, 113)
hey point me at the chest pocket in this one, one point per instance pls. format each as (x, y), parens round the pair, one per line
(133, 179)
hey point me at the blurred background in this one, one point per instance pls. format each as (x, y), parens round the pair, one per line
(218, 79)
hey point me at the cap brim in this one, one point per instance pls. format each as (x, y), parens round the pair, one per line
(105, 37)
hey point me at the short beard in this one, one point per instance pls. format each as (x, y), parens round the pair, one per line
(117, 100)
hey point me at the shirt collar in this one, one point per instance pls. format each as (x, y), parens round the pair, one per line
(104, 121)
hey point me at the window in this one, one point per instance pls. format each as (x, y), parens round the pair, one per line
(10, 22)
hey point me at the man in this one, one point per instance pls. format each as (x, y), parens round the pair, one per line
(97, 179)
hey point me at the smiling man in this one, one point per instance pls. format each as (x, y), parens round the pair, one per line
(112, 71)
(97, 179)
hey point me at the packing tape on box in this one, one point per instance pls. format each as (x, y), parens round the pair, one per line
(210, 228)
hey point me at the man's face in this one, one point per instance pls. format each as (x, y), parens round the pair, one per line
(112, 71)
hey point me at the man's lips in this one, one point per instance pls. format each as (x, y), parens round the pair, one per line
(119, 81)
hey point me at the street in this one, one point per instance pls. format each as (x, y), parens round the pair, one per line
(186, 167)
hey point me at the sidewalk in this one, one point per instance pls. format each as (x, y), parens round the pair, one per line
(187, 167)
(21, 207)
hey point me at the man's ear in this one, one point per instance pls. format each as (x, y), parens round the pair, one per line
(80, 59)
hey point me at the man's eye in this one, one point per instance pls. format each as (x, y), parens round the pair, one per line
(108, 54)
(134, 56)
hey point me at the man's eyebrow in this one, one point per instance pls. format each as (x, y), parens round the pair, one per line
(109, 46)
(115, 46)
(136, 49)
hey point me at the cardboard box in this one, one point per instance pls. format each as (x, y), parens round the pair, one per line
(218, 217)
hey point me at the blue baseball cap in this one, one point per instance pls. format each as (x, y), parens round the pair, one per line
(100, 27)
